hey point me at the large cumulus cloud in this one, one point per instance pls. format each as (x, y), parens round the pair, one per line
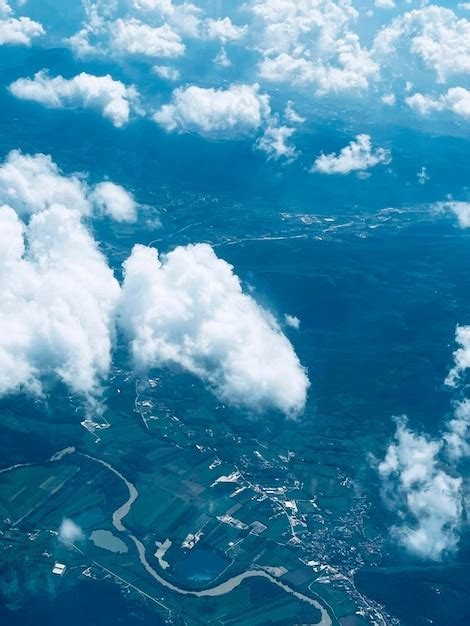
(187, 308)
(434, 34)
(57, 306)
(148, 28)
(311, 44)
(59, 296)
(60, 300)
(110, 97)
(33, 183)
(237, 110)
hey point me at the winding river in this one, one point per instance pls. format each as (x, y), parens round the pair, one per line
(221, 589)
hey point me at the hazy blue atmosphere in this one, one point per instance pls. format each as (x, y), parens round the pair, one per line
(234, 312)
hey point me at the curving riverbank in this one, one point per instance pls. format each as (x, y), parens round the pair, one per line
(218, 590)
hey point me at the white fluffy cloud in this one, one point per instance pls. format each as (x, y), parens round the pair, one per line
(223, 30)
(460, 209)
(461, 355)
(185, 17)
(134, 37)
(457, 100)
(111, 98)
(70, 532)
(354, 71)
(237, 110)
(435, 34)
(385, 4)
(57, 305)
(59, 296)
(115, 201)
(311, 43)
(290, 25)
(166, 72)
(291, 115)
(292, 321)
(357, 156)
(31, 184)
(456, 435)
(60, 300)
(275, 142)
(19, 31)
(428, 499)
(419, 474)
(187, 308)
(146, 28)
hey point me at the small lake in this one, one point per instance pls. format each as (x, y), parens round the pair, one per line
(201, 565)
(106, 540)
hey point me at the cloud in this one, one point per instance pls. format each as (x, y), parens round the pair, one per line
(457, 100)
(115, 201)
(311, 43)
(162, 6)
(385, 4)
(59, 296)
(5, 9)
(289, 25)
(354, 70)
(19, 31)
(57, 306)
(69, 532)
(166, 72)
(461, 356)
(389, 99)
(275, 142)
(456, 436)
(357, 156)
(460, 209)
(60, 301)
(183, 17)
(423, 177)
(187, 308)
(428, 499)
(101, 93)
(34, 183)
(134, 37)
(237, 110)
(291, 115)
(292, 321)
(419, 474)
(31, 184)
(146, 28)
(434, 34)
(223, 30)
(222, 59)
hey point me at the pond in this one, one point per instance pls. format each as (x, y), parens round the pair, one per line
(106, 540)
